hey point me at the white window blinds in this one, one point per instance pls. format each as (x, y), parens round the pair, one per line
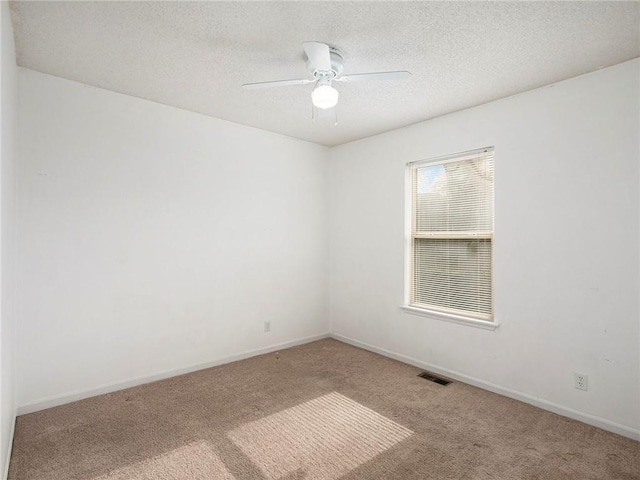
(452, 234)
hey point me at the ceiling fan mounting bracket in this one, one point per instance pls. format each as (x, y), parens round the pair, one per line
(337, 64)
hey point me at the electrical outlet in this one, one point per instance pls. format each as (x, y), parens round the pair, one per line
(580, 381)
(267, 326)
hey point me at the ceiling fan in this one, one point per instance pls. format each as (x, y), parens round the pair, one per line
(325, 64)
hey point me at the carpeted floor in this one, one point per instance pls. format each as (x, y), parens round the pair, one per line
(325, 410)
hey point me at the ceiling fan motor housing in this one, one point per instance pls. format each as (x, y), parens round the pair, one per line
(337, 64)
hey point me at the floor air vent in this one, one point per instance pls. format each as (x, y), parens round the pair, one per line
(433, 378)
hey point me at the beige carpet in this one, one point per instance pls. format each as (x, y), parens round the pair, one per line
(322, 411)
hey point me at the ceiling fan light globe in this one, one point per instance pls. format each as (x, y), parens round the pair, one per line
(324, 96)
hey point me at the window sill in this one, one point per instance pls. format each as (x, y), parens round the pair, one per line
(447, 317)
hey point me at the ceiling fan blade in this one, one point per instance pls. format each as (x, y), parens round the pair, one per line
(374, 76)
(318, 54)
(277, 83)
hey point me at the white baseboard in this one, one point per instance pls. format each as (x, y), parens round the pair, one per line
(58, 400)
(9, 448)
(523, 397)
(593, 420)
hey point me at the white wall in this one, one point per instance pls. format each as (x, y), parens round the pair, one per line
(154, 239)
(566, 246)
(8, 118)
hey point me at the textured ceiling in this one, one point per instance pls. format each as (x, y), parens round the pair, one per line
(195, 55)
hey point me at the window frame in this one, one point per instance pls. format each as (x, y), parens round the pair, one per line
(410, 210)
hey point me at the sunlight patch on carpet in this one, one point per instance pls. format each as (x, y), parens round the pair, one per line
(324, 438)
(196, 461)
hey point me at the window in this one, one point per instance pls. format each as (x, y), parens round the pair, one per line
(451, 241)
